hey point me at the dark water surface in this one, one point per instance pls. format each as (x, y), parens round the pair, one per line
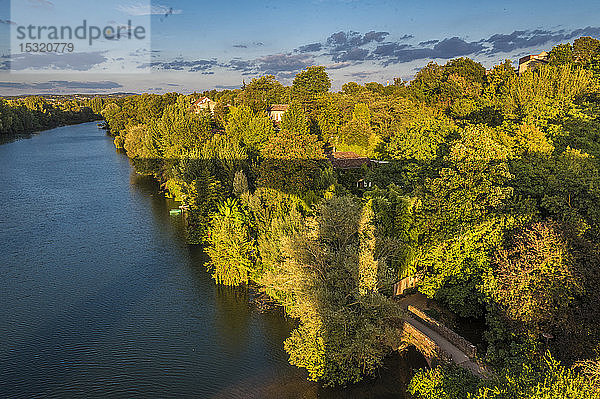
(101, 297)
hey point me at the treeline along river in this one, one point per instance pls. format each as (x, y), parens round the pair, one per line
(102, 297)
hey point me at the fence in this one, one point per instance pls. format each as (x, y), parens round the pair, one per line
(461, 343)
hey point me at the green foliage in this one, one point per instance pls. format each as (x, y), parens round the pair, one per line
(261, 93)
(421, 140)
(545, 93)
(357, 134)
(565, 187)
(276, 215)
(294, 163)
(472, 184)
(310, 82)
(561, 55)
(535, 279)
(36, 113)
(138, 142)
(544, 282)
(203, 195)
(428, 81)
(252, 129)
(230, 247)
(443, 383)
(180, 131)
(585, 49)
(467, 69)
(351, 88)
(134, 110)
(328, 119)
(330, 273)
(398, 228)
(455, 269)
(295, 120)
(459, 78)
(544, 379)
(240, 183)
(238, 120)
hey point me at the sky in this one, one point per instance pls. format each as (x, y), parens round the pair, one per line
(195, 45)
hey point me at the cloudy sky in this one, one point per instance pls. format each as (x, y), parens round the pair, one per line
(197, 44)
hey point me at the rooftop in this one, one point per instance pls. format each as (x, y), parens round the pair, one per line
(540, 57)
(348, 160)
(279, 107)
(202, 100)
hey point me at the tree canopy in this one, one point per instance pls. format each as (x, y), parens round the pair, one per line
(487, 188)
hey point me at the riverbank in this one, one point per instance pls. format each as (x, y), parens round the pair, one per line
(10, 137)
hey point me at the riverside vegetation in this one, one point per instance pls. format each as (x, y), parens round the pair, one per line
(34, 113)
(491, 195)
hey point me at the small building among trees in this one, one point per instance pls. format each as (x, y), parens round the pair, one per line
(276, 111)
(204, 103)
(531, 62)
(348, 160)
(351, 168)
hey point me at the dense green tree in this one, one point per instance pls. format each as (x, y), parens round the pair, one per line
(427, 83)
(138, 142)
(561, 55)
(358, 135)
(310, 82)
(332, 276)
(536, 279)
(262, 92)
(180, 131)
(36, 113)
(585, 48)
(547, 379)
(238, 120)
(230, 246)
(250, 128)
(545, 93)
(295, 120)
(466, 68)
(293, 162)
(351, 88)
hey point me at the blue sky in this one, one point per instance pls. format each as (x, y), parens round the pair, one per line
(198, 45)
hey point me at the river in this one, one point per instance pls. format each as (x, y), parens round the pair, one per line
(100, 296)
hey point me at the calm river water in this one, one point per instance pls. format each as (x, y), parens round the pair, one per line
(101, 297)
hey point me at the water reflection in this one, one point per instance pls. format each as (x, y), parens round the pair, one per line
(391, 383)
(232, 319)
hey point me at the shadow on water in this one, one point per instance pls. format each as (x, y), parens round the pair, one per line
(9, 138)
(392, 382)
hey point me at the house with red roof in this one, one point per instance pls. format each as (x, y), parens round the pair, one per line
(204, 103)
(531, 62)
(276, 112)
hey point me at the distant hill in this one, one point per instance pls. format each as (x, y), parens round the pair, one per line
(71, 96)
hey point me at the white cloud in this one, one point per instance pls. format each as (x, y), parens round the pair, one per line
(41, 3)
(139, 9)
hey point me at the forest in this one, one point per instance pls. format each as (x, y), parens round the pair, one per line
(488, 191)
(35, 113)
